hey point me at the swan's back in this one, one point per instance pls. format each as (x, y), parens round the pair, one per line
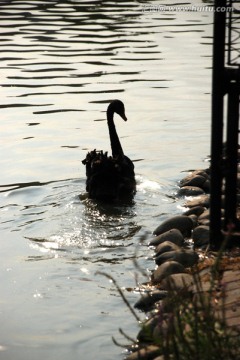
(109, 178)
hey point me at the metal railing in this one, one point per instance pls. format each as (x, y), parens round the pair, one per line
(224, 157)
(233, 33)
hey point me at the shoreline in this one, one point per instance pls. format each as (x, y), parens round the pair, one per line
(187, 274)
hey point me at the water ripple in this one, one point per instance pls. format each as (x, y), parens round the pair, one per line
(62, 62)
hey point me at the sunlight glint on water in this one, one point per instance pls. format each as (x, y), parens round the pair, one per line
(61, 64)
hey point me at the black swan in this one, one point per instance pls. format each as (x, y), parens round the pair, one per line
(110, 177)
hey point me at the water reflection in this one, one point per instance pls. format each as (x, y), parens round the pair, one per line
(78, 32)
(54, 219)
(61, 62)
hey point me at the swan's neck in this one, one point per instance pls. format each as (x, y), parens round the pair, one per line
(115, 142)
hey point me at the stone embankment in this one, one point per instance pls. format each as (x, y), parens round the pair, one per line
(180, 252)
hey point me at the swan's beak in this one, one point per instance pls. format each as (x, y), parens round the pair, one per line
(123, 116)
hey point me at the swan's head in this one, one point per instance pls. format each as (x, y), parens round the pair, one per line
(117, 106)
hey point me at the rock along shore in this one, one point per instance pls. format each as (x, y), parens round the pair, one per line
(180, 246)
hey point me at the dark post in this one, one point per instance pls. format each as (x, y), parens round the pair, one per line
(232, 155)
(218, 91)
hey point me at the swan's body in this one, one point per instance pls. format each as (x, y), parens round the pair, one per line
(110, 177)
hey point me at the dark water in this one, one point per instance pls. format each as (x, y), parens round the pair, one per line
(61, 63)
